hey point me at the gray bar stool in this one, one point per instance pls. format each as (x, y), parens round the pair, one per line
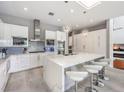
(76, 76)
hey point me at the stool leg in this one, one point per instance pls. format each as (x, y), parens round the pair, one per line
(91, 82)
(98, 82)
(76, 86)
(103, 74)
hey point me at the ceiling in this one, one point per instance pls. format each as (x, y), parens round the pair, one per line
(40, 10)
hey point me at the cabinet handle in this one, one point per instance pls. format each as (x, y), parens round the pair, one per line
(38, 58)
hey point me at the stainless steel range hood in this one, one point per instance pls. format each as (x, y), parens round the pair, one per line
(37, 31)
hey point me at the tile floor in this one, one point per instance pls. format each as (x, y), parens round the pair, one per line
(32, 81)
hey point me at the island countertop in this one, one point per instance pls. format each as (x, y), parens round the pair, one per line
(71, 60)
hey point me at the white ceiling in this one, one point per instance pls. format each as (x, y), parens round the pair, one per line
(40, 10)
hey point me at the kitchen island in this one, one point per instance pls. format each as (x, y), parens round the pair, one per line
(55, 67)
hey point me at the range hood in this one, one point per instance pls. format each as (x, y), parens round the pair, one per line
(37, 31)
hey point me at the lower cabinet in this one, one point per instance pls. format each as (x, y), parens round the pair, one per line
(36, 60)
(24, 62)
(3, 75)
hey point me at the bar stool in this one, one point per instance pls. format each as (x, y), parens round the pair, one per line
(92, 69)
(76, 76)
(100, 74)
(103, 62)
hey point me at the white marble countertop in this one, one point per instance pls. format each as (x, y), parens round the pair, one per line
(71, 60)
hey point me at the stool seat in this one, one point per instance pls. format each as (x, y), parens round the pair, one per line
(100, 63)
(77, 75)
(93, 68)
(105, 60)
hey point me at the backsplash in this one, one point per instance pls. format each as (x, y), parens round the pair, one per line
(35, 46)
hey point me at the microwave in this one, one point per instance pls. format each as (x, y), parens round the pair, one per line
(19, 41)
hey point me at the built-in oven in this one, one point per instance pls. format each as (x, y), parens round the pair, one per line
(19, 41)
(50, 45)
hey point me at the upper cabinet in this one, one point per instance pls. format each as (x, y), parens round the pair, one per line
(61, 36)
(118, 23)
(9, 31)
(50, 35)
(19, 31)
(70, 41)
(1, 30)
(118, 30)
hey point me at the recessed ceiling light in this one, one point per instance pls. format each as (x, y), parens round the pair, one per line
(58, 20)
(77, 25)
(25, 9)
(66, 1)
(51, 13)
(84, 12)
(72, 10)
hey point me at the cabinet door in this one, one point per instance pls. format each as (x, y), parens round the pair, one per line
(118, 36)
(118, 23)
(13, 64)
(75, 43)
(1, 31)
(19, 63)
(2, 78)
(23, 62)
(8, 32)
(59, 36)
(33, 60)
(63, 36)
(40, 60)
(99, 42)
(50, 34)
(70, 40)
(19, 31)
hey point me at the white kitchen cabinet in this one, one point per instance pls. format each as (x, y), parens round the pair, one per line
(118, 30)
(118, 23)
(8, 31)
(93, 42)
(19, 63)
(5, 31)
(61, 36)
(19, 31)
(36, 60)
(26, 61)
(78, 43)
(1, 31)
(50, 34)
(118, 36)
(70, 41)
(23, 62)
(4, 75)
